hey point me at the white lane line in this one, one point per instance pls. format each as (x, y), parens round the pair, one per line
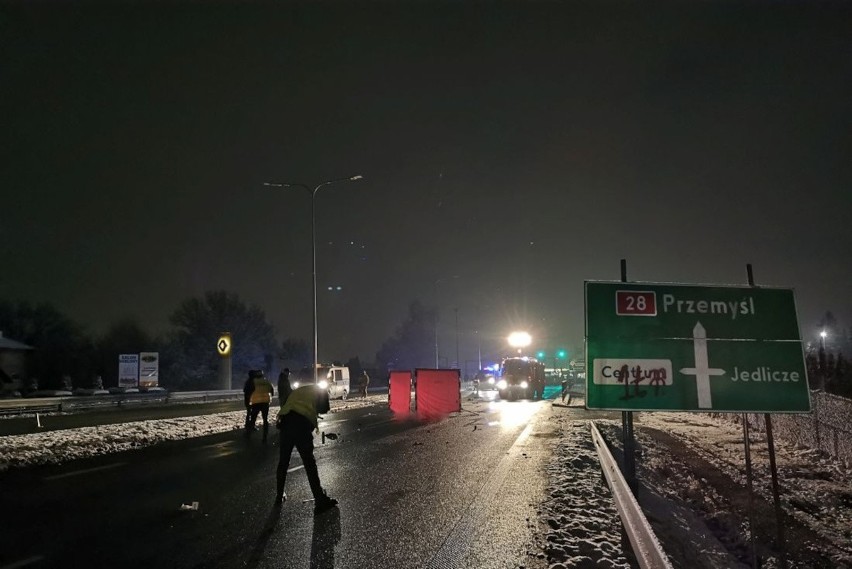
(289, 470)
(215, 445)
(24, 562)
(461, 534)
(85, 471)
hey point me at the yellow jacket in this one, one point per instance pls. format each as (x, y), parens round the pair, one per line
(303, 401)
(263, 391)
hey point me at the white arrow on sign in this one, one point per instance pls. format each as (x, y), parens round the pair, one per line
(702, 370)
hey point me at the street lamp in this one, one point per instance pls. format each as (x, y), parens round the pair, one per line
(822, 336)
(313, 244)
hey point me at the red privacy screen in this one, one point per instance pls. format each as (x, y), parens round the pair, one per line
(399, 391)
(438, 392)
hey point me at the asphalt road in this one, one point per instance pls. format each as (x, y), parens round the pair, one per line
(459, 492)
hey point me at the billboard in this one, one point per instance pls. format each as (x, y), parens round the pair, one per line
(128, 370)
(149, 369)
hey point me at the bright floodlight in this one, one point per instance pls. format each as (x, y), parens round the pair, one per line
(519, 339)
(823, 334)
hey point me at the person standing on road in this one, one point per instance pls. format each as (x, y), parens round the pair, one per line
(258, 401)
(363, 382)
(297, 420)
(284, 389)
(248, 388)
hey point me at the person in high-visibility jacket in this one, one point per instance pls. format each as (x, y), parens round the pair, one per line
(258, 402)
(297, 420)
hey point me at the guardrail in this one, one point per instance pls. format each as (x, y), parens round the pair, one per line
(646, 547)
(23, 406)
(87, 402)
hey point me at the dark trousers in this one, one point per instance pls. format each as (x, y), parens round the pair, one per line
(251, 417)
(297, 431)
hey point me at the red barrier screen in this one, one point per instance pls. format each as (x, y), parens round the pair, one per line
(437, 391)
(399, 391)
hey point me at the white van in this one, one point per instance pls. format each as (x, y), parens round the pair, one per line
(334, 379)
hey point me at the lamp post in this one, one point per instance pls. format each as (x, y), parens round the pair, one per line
(437, 313)
(458, 361)
(313, 193)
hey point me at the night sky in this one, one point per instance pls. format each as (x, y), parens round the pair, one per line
(509, 152)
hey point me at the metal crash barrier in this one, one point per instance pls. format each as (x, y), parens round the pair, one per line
(647, 549)
(70, 403)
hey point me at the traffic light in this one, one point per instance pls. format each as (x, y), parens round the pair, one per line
(561, 354)
(540, 355)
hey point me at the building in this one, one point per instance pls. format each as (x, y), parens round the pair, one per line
(13, 364)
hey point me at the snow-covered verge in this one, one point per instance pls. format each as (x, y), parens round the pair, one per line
(697, 462)
(583, 527)
(55, 447)
(693, 489)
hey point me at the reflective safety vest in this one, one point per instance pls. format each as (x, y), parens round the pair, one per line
(303, 401)
(262, 391)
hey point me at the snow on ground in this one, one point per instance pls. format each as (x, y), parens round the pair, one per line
(698, 503)
(55, 447)
(815, 489)
(584, 531)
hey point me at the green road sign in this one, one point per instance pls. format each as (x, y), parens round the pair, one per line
(654, 347)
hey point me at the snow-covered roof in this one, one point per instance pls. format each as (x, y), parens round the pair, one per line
(7, 344)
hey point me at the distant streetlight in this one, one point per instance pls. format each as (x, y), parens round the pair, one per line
(437, 313)
(313, 193)
(519, 340)
(458, 362)
(822, 336)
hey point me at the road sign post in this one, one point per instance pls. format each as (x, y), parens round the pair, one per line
(671, 347)
(223, 348)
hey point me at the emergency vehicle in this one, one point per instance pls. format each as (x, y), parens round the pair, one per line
(521, 378)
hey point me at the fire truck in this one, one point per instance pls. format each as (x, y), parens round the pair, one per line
(521, 378)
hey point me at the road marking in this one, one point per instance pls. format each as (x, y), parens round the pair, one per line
(460, 537)
(24, 562)
(85, 471)
(295, 468)
(214, 445)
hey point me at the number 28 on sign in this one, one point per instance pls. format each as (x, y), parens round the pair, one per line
(635, 303)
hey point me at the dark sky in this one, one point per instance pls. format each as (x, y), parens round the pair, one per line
(509, 151)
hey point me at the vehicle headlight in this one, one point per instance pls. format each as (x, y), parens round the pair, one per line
(295, 385)
(502, 384)
(491, 380)
(323, 384)
(524, 385)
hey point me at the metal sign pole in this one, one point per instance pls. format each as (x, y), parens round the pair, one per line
(223, 348)
(750, 478)
(770, 441)
(627, 427)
